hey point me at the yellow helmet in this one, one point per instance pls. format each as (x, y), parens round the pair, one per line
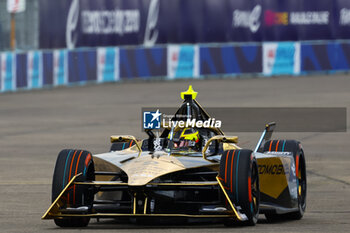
(190, 134)
(187, 134)
(187, 138)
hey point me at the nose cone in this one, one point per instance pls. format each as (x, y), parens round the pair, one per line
(144, 169)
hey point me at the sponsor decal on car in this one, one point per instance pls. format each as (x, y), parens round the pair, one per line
(271, 169)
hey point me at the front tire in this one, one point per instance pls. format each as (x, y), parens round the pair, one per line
(68, 164)
(239, 173)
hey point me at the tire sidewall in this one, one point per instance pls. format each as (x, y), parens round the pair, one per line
(66, 168)
(240, 170)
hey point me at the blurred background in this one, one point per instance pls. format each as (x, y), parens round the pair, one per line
(51, 43)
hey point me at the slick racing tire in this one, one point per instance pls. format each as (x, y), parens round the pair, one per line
(68, 164)
(300, 172)
(239, 174)
(118, 146)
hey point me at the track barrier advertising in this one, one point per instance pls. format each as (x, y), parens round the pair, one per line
(183, 61)
(105, 23)
(40, 69)
(281, 58)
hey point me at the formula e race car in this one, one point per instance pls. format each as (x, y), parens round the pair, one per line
(187, 170)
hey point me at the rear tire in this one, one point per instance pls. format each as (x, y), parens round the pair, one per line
(300, 165)
(68, 164)
(239, 173)
(118, 146)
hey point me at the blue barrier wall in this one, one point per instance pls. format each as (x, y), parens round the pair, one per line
(37, 69)
(229, 59)
(21, 71)
(143, 62)
(82, 66)
(47, 68)
(332, 56)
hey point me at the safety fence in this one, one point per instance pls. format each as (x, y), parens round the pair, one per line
(38, 69)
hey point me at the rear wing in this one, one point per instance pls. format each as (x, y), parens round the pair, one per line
(265, 136)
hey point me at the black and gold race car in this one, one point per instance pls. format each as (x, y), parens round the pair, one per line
(188, 170)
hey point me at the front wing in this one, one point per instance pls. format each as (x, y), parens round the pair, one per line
(59, 210)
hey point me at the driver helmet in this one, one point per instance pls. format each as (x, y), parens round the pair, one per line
(187, 138)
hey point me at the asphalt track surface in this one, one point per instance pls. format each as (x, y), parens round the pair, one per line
(36, 125)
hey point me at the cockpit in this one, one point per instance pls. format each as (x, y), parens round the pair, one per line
(183, 137)
(190, 133)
